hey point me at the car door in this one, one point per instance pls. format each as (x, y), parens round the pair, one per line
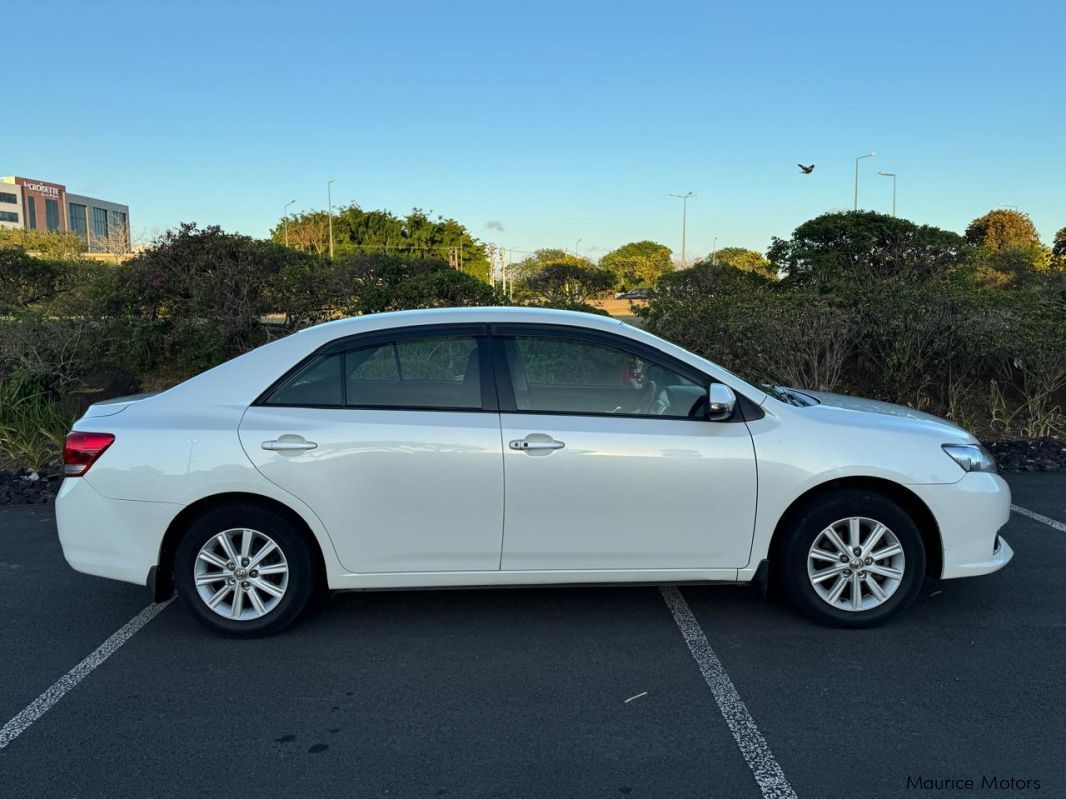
(393, 440)
(609, 461)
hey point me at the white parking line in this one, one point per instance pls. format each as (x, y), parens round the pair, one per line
(43, 703)
(753, 746)
(1040, 517)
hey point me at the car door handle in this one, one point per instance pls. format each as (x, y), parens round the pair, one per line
(284, 444)
(525, 444)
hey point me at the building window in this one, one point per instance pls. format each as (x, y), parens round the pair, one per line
(8, 216)
(100, 223)
(31, 213)
(8, 197)
(51, 214)
(76, 218)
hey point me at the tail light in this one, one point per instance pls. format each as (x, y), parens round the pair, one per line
(81, 451)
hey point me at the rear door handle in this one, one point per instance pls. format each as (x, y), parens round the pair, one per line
(287, 444)
(525, 444)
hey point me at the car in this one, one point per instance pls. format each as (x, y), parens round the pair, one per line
(633, 294)
(480, 447)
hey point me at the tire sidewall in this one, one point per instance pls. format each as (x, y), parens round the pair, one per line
(818, 515)
(293, 546)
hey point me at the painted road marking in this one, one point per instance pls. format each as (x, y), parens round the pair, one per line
(1032, 514)
(61, 687)
(753, 746)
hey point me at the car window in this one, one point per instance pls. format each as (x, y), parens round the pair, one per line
(561, 375)
(319, 383)
(432, 372)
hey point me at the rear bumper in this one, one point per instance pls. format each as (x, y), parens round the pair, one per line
(970, 514)
(114, 538)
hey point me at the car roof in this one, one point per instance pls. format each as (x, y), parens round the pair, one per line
(481, 314)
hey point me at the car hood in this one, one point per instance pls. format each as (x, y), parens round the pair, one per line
(883, 414)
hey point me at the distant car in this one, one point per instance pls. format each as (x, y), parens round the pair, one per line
(378, 452)
(634, 294)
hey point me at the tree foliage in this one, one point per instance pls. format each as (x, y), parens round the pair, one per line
(836, 250)
(54, 245)
(742, 259)
(568, 284)
(1002, 228)
(359, 232)
(639, 263)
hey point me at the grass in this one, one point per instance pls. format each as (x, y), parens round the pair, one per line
(33, 426)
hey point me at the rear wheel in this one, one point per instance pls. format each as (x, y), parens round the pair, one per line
(244, 571)
(852, 559)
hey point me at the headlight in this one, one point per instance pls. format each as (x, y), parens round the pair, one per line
(971, 457)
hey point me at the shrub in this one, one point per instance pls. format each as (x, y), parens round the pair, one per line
(32, 425)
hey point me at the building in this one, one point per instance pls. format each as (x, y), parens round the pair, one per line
(39, 205)
(10, 206)
(103, 225)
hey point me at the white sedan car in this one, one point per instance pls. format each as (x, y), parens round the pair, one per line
(515, 446)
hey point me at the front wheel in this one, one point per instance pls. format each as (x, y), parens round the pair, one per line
(244, 571)
(852, 559)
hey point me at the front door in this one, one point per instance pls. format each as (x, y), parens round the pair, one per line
(609, 463)
(394, 446)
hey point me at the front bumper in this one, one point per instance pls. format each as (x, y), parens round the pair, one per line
(970, 514)
(114, 538)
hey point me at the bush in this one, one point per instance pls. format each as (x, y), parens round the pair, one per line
(33, 426)
(992, 361)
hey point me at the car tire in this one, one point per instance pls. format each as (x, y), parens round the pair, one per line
(287, 567)
(807, 574)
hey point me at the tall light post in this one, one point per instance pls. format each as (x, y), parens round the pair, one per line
(285, 220)
(575, 247)
(329, 200)
(714, 251)
(684, 218)
(893, 176)
(870, 154)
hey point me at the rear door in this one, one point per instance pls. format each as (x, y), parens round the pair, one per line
(609, 462)
(394, 441)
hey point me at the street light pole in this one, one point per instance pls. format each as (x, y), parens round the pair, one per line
(285, 220)
(893, 176)
(684, 219)
(329, 200)
(870, 154)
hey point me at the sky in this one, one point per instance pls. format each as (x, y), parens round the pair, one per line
(543, 124)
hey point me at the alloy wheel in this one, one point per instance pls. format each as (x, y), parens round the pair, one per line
(241, 574)
(856, 564)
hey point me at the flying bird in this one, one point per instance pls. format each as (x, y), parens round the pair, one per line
(806, 170)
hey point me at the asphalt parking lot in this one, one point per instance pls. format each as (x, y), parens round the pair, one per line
(523, 693)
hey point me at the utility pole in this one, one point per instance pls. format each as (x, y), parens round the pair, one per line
(893, 176)
(870, 154)
(714, 252)
(329, 200)
(285, 220)
(684, 219)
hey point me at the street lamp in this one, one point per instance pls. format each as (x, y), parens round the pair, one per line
(893, 176)
(329, 200)
(870, 154)
(285, 220)
(575, 247)
(684, 218)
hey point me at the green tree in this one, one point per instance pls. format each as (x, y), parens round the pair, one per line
(1001, 229)
(639, 263)
(856, 247)
(393, 283)
(356, 231)
(44, 245)
(742, 259)
(1058, 248)
(567, 284)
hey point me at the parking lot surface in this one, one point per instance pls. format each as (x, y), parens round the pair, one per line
(544, 692)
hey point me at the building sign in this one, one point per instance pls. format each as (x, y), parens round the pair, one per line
(43, 189)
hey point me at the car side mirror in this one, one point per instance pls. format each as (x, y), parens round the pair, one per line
(720, 402)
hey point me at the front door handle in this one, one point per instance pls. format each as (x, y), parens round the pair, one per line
(289, 444)
(530, 443)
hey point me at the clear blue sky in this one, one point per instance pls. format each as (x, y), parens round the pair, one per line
(559, 121)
